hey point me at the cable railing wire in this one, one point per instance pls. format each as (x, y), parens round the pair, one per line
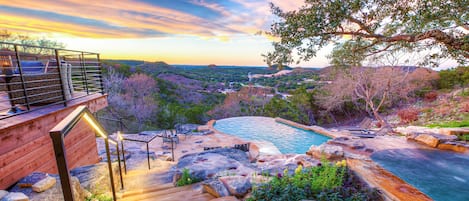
(34, 77)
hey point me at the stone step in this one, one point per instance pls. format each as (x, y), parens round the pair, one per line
(144, 190)
(142, 181)
(182, 196)
(166, 193)
(131, 173)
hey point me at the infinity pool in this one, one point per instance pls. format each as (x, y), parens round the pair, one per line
(442, 175)
(286, 138)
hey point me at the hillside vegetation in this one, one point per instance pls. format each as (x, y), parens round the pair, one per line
(165, 95)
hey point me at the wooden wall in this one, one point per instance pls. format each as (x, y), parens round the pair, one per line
(26, 146)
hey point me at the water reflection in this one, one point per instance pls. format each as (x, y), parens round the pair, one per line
(442, 175)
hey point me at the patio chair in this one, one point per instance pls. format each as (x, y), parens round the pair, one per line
(180, 130)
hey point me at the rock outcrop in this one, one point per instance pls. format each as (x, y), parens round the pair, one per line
(273, 164)
(15, 196)
(330, 152)
(44, 184)
(454, 146)
(347, 142)
(95, 178)
(54, 193)
(215, 187)
(3, 193)
(227, 198)
(431, 139)
(238, 186)
(210, 164)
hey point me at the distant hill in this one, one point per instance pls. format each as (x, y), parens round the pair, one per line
(127, 62)
(152, 67)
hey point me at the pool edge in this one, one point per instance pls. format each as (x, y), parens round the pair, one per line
(316, 129)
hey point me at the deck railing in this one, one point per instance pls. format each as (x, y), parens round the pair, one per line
(33, 77)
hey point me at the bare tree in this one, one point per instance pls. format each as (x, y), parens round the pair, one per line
(376, 87)
(138, 97)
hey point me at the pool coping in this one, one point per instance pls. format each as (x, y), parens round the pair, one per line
(391, 186)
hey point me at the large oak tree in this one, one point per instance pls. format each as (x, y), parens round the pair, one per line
(371, 27)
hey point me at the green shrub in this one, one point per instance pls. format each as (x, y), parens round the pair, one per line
(463, 137)
(326, 182)
(100, 197)
(451, 124)
(186, 178)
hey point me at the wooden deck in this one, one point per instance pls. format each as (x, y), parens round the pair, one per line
(25, 144)
(36, 112)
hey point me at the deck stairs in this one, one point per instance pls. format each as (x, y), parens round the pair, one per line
(149, 185)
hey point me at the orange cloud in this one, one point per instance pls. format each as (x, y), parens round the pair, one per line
(137, 19)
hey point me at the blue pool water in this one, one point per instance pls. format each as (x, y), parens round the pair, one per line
(442, 175)
(286, 138)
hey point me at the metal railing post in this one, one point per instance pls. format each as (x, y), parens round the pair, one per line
(59, 65)
(119, 162)
(23, 83)
(100, 74)
(58, 143)
(109, 163)
(123, 156)
(83, 72)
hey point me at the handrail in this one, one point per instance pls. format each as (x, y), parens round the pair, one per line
(61, 130)
(50, 48)
(119, 121)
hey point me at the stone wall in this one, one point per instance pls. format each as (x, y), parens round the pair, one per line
(27, 147)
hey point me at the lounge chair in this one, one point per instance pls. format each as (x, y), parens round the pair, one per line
(242, 147)
(364, 125)
(212, 148)
(363, 134)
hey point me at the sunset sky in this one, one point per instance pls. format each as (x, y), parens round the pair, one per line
(202, 32)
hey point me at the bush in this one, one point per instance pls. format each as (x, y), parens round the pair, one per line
(186, 178)
(326, 182)
(408, 115)
(431, 96)
(465, 107)
(451, 124)
(101, 197)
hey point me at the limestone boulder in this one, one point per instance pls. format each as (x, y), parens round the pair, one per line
(454, 131)
(210, 164)
(44, 184)
(431, 139)
(259, 179)
(95, 178)
(454, 146)
(238, 186)
(329, 151)
(415, 129)
(3, 193)
(53, 194)
(227, 198)
(215, 187)
(272, 164)
(15, 196)
(28, 181)
(347, 142)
